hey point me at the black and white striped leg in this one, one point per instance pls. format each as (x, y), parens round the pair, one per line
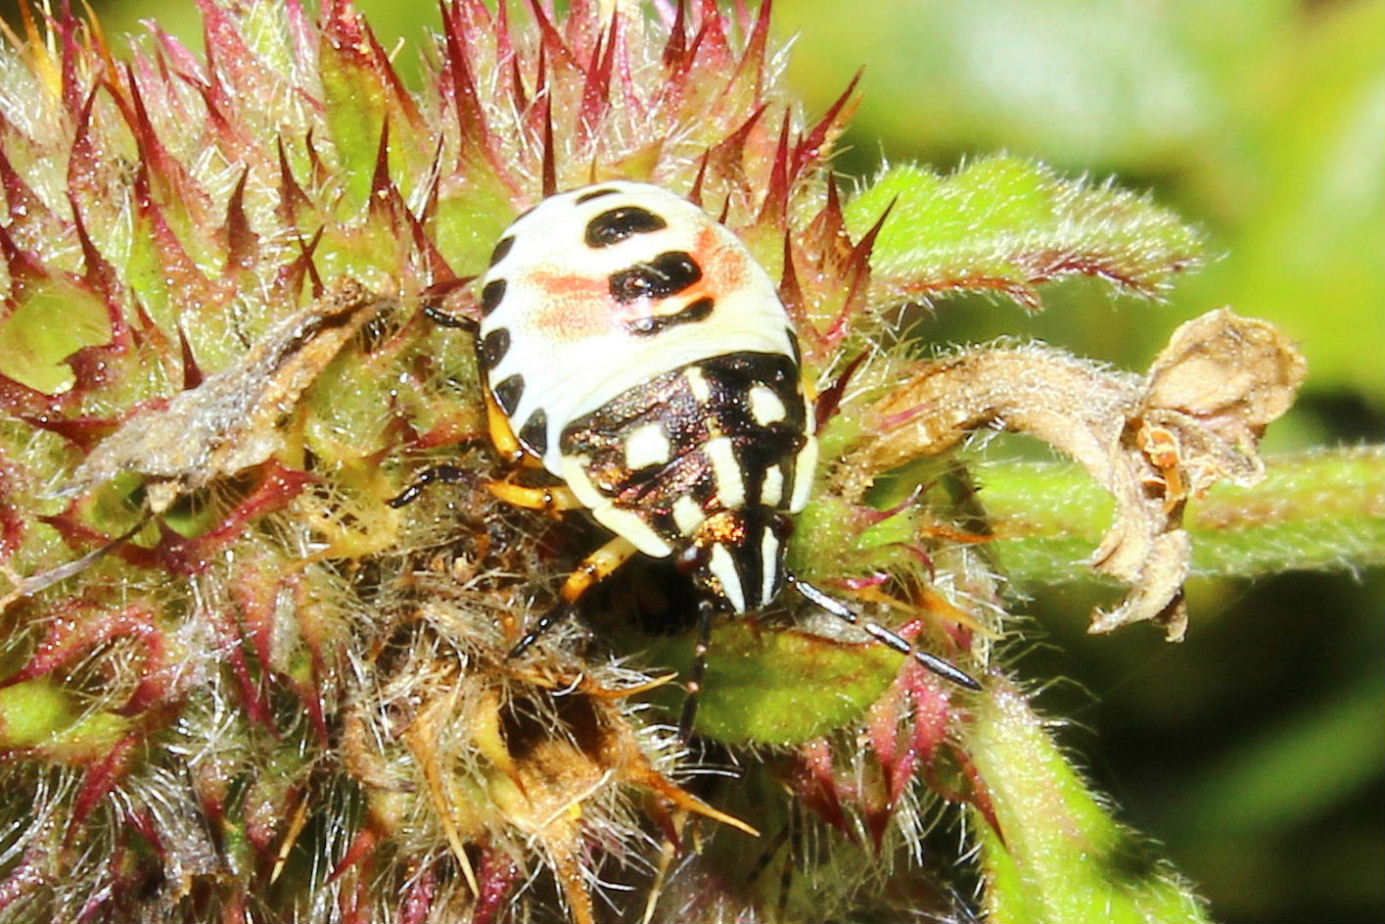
(706, 610)
(447, 474)
(443, 319)
(832, 605)
(548, 620)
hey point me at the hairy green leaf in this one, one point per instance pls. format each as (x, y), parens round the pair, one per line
(1005, 225)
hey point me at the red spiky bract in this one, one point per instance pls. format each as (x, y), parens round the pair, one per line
(12, 523)
(100, 276)
(242, 243)
(906, 727)
(24, 266)
(26, 208)
(100, 780)
(817, 786)
(79, 625)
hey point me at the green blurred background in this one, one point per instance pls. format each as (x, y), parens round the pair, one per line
(1255, 751)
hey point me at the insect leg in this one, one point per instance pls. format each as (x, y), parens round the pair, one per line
(552, 499)
(835, 607)
(502, 434)
(594, 569)
(447, 474)
(443, 319)
(706, 609)
(557, 614)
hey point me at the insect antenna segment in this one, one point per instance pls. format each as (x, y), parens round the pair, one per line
(945, 669)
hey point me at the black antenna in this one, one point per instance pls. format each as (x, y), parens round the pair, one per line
(944, 669)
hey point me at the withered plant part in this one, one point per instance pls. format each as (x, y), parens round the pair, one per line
(505, 760)
(233, 419)
(1151, 441)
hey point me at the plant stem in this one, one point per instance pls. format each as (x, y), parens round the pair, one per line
(1313, 511)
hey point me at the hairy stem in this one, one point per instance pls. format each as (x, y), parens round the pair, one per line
(1314, 510)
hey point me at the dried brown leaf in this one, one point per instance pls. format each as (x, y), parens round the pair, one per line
(1152, 442)
(232, 420)
(1206, 402)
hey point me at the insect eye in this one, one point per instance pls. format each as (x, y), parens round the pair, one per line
(691, 559)
(781, 526)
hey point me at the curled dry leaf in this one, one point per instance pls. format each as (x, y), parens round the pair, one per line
(231, 421)
(1151, 442)
(1203, 408)
(1220, 381)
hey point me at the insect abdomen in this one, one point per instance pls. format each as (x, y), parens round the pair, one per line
(726, 434)
(717, 434)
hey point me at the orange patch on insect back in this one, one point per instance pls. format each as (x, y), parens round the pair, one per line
(575, 306)
(723, 263)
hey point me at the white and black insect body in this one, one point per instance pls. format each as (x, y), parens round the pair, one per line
(639, 351)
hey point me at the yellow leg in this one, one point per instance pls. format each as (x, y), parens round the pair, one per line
(506, 443)
(594, 569)
(556, 498)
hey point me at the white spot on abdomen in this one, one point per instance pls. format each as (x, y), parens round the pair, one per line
(697, 384)
(647, 445)
(804, 467)
(769, 565)
(765, 406)
(687, 514)
(730, 484)
(772, 490)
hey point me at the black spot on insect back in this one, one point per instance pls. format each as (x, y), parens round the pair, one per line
(502, 248)
(491, 295)
(615, 225)
(594, 194)
(534, 433)
(494, 347)
(508, 393)
(697, 311)
(667, 274)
